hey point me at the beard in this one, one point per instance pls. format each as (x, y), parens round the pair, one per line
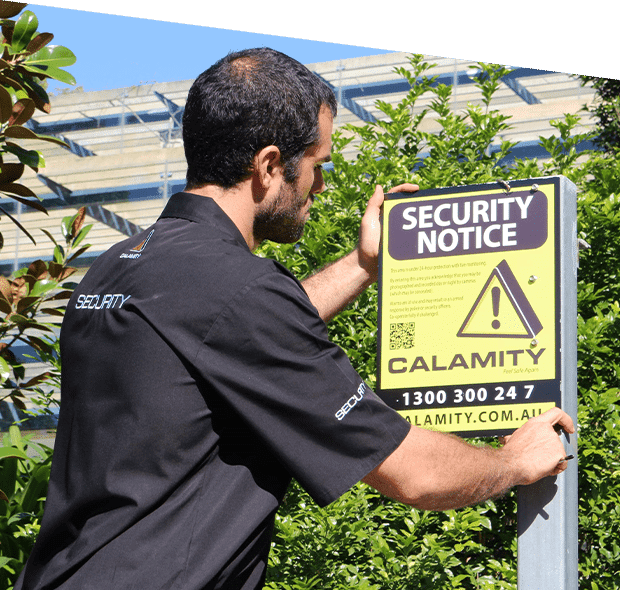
(282, 221)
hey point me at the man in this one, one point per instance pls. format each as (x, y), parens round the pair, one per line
(198, 378)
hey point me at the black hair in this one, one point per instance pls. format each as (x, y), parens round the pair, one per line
(246, 101)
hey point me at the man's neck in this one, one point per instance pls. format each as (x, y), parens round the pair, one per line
(237, 203)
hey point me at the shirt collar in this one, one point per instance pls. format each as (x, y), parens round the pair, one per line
(201, 209)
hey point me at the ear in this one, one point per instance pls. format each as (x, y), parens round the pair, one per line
(267, 168)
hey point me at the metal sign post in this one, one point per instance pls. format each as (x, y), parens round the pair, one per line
(477, 333)
(547, 519)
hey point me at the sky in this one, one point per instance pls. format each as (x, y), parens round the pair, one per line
(116, 51)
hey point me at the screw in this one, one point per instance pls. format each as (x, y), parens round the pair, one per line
(534, 187)
(534, 343)
(533, 279)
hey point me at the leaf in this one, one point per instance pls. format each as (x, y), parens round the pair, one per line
(50, 57)
(18, 224)
(26, 302)
(38, 94)
(6, 290)
(25, 28)
(31, 158)
(38, 270)
(78, 221)
(34, 204)
(42, 287)
(12, 453)
(55, 73)
(78, 252)
(50, 236)
(22, 111)
(55, 311)
(38, 42)
(43, 377)
(10, 173)
(18, 189)
(19, 132)
(5, 370)
(11, 9)
(61, 295)
(6, 105)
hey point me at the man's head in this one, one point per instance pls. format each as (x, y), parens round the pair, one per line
(246, 101)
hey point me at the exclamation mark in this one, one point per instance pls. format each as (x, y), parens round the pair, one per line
(495, 292)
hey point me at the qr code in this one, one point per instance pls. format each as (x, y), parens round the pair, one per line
(402, 335)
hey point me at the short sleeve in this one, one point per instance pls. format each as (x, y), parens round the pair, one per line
(268, 355)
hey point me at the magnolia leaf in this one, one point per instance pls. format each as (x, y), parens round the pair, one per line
(78, 221)
(9, 173)
(37, 93)
(19, 132)
(6, 105)
(23, 109)
(11, 9)
(31, 158)
(83, 233)
(55, 311)
(50, 57)
(20, 404)
(59, 254)
(25, 28)
(40, 41)
(6, 291)
(38, 270)
(5, 370)
(39, 344)
(5, 306)
(25, 302)
(50, 236)
(62, 295)
(18, 224)
(7, 31)
(52, 72)
(78, 252)
(42, 287)
(18, 189)
(34, 204)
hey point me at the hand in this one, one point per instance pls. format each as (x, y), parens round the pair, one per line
(536, 449)
(370, 230)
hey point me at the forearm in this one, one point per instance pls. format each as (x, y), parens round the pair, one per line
(438, 471)
(335, 286)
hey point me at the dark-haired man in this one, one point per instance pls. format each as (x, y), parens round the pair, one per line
(207, 381)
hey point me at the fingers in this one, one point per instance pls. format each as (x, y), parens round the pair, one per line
(406, 187)
(377, 198)
(558, 419)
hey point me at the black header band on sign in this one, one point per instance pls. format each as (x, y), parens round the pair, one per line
(478, 224)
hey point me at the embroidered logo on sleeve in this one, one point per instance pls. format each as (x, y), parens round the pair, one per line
(352, 401)
(104, 301)
(136, 252)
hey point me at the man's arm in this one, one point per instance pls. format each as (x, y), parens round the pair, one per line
(436, 471)
(338, 284)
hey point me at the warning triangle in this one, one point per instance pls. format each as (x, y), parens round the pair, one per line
(501, 309)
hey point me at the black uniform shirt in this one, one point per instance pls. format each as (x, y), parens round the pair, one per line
(197, 380)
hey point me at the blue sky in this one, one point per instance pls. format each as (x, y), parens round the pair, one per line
(115, 51)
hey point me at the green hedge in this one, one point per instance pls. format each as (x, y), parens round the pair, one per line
(365, 541)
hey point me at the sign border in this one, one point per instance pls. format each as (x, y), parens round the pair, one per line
(560, 269)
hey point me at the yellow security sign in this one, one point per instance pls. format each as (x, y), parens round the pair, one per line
(468, 312)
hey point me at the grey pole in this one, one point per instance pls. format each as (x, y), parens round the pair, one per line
(547, 510)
